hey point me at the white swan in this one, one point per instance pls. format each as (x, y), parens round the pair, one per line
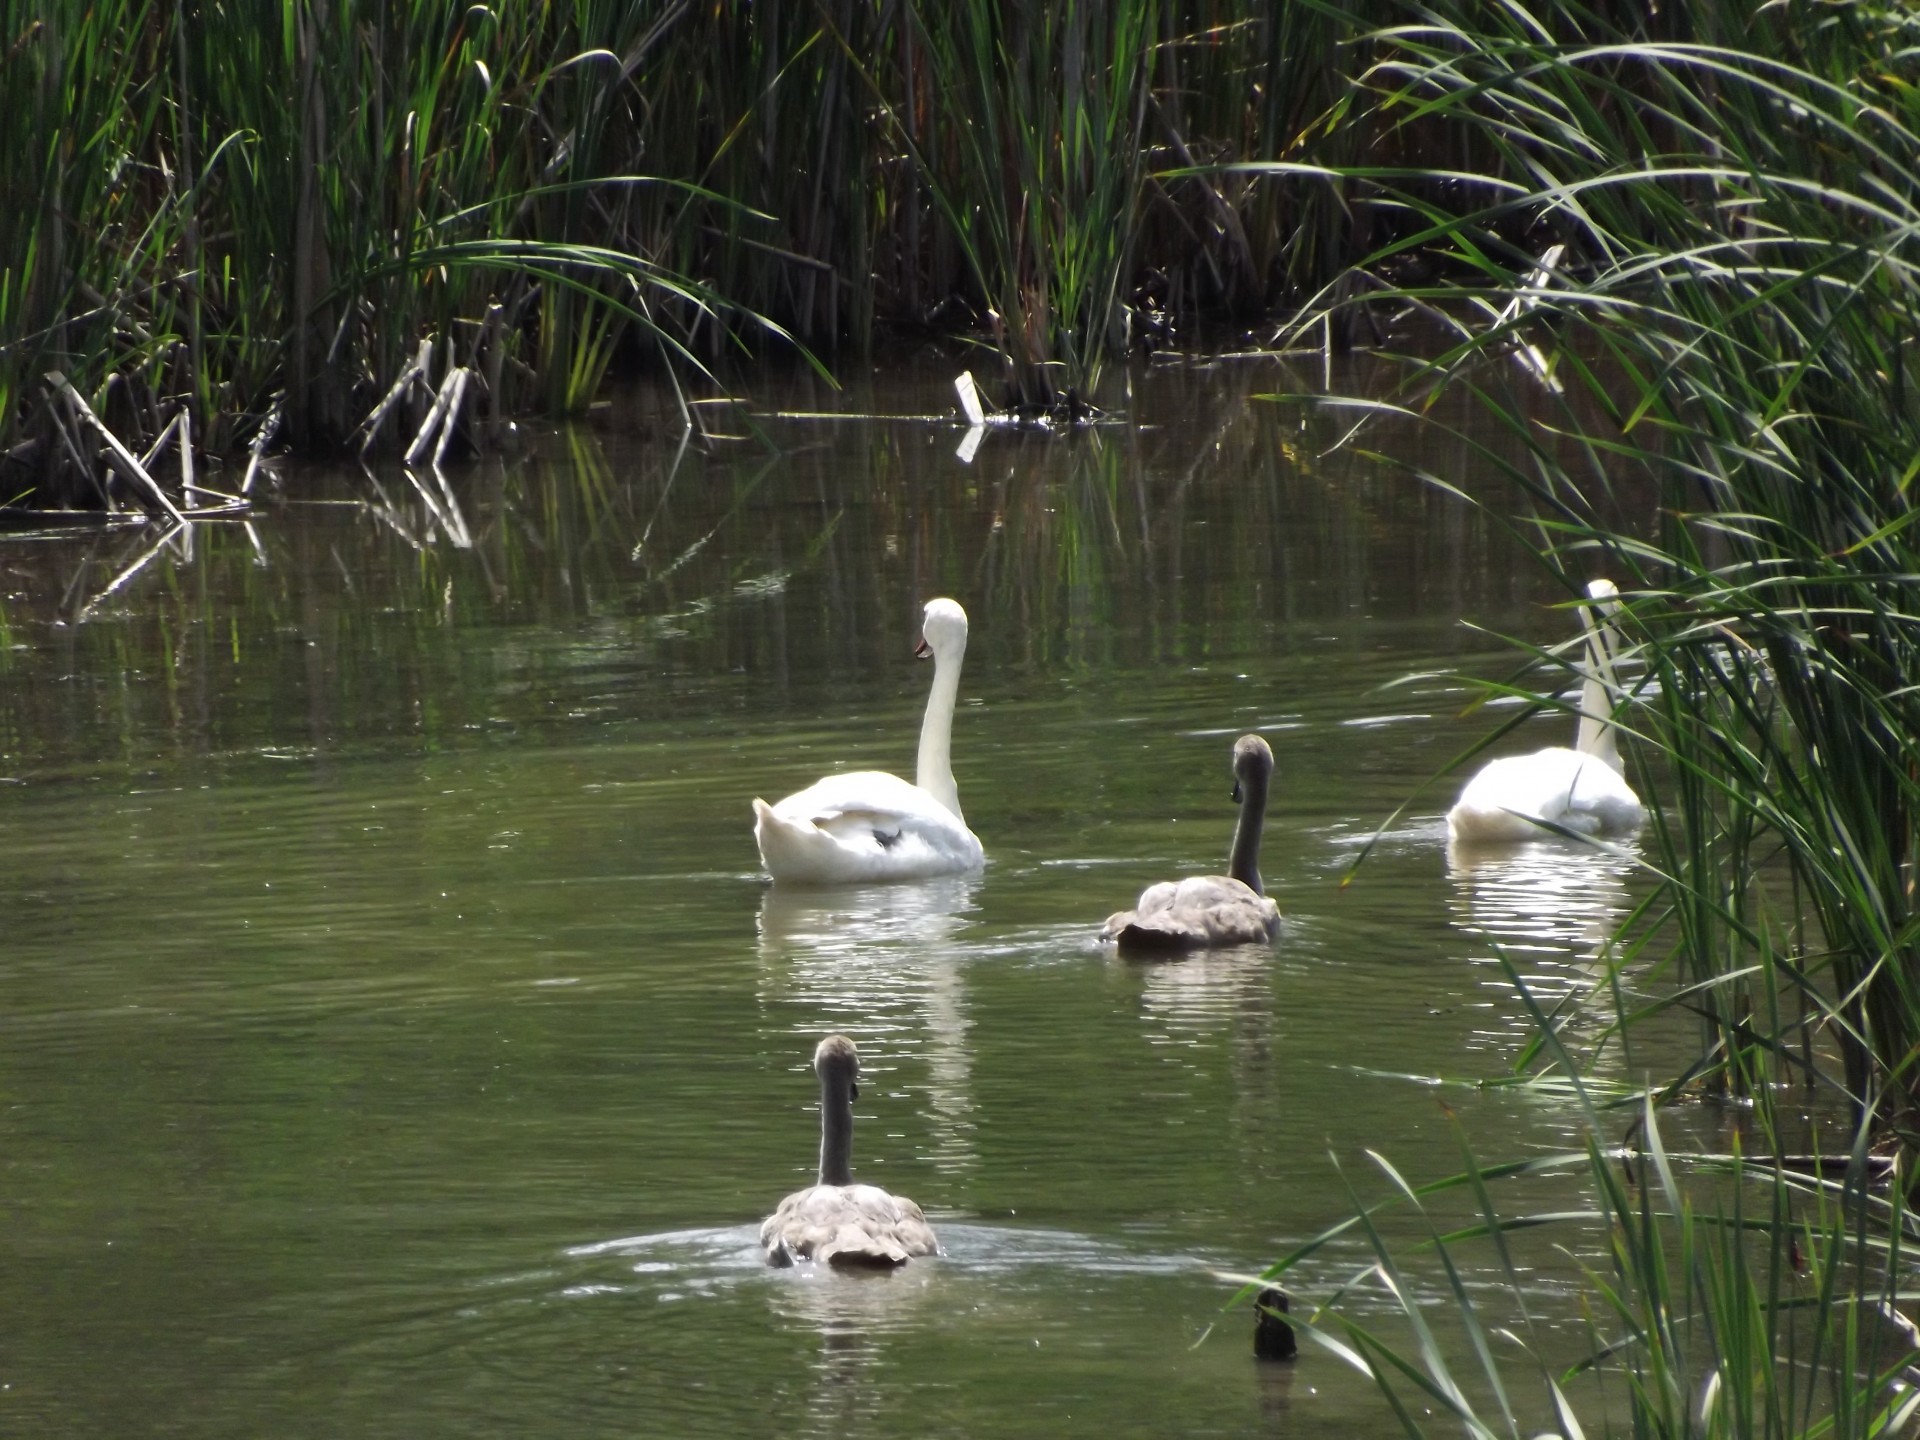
(837, 1221)
(1519, 797)
(1208, 910)
(868, 825)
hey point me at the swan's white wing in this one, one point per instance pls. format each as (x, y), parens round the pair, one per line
(887, 796)
(862, 826)
(1510, 797)
(1193, 914)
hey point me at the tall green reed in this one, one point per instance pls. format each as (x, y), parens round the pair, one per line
(1039, 172)
(1678, 277)
(266, 213)
(1727, 328)
(254, 212)
(1724, 1299)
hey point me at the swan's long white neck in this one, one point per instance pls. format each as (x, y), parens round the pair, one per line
(934, 772)
(836, 1128)
(1597, 736)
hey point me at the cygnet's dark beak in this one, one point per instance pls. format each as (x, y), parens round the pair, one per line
(855, 1095)
(923, 651)
(1236, 792)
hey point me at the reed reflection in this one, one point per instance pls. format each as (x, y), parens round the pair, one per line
(884, 964)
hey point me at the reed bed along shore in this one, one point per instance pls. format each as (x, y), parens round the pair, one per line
(311, 226)
(1728, 238)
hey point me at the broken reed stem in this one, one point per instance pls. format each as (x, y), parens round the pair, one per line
(261, 441)
(122, 458)
(442, 413)
(457, 383)
(414, 369)
(187, 487)
(160, 441)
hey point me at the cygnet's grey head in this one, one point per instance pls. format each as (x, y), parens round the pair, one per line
(1252, 763)
(836, 1056)
(943, 629)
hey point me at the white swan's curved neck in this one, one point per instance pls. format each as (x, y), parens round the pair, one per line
(1596, 737)
(934, 772)
(836, 1130)
(1244, 865)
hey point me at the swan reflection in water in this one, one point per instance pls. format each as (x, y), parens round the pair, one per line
(847, 918)
(1209, 991)
(1550, 906)
(855, 1314)
(886, 965)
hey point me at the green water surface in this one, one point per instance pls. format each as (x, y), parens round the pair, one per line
(397, 1035)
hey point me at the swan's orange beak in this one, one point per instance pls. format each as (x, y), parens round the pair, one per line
(923, 651)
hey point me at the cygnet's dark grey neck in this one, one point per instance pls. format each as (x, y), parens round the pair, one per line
(1244, 865)
(836, 1129)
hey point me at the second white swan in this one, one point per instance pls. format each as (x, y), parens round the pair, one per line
(867, 825)
(1525, 797)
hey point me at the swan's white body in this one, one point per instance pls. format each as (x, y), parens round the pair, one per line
(836, 1221)
(867, 825)
(1204, 911)
(1529, 797)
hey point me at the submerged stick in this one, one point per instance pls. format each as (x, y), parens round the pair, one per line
(119, 581)
(123, 459)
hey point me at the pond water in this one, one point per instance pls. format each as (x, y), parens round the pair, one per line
(397, 1035)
